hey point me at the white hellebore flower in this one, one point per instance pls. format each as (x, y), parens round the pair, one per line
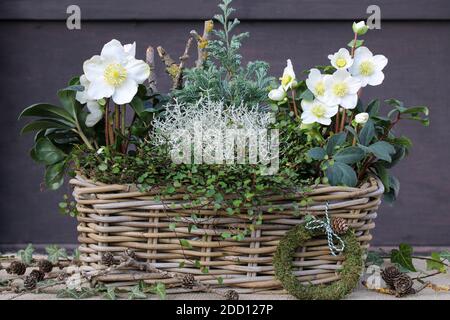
(288, 78)
(342, 89)
(368, 68)
(362, 118)
(317, 111)
(95, 110)
(115, 73)
(360, 28)
(341, 59)
(277, 94)
(316, 83)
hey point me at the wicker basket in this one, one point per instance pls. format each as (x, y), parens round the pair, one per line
(113, 218)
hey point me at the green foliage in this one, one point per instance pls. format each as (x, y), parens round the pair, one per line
(110, 294)
(403, 256)
(436, 263)
(374, 258)
(26, 255)
(55, 253)
(222, 77)
(83, 293)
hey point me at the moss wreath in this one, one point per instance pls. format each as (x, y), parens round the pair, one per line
(350, 273)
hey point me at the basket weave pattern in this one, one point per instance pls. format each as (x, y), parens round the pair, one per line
(113, 218)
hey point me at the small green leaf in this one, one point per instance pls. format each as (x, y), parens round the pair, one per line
(403, 256)
(373, 108)
(435, 263)
(110, 293)
(55, 253)
(307, 95)
(26, 255)
(185, 243)
(220, 280)
(136, 293)
(374, 258)
(160, 290)
(317, 153)
(54, 175)
(445, 255)
(357, 44)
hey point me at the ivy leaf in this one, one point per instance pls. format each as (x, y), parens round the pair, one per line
(374, 258)
(110, 293)
(335, 141)
(317, 153)
(185, 243)
(220, 280)
(403, 256)
(136, 293)
(55, 253)
(26, 255)
(160, 290)
(76, 254)
(349, 155)
(445, 255)
(435, 263)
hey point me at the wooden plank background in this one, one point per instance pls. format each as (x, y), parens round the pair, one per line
(38, 55)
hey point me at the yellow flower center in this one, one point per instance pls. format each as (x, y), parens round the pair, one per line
(366, 68)
(318, 110)
(340, 89)
(286, 79)
(320, 88)
(115, 74)
(341, 62)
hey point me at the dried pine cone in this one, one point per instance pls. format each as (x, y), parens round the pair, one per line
(389, 275)
(231, 295)
(403, 285)
(17, 267)
(45, 266)
(30, 282)
(107, 259)
(38, 275)
(188, 281)
(339, 225)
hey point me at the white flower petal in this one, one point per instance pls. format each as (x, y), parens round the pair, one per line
(332, 111)
(324, 121)
(349, 101)
(125, 93)
(99, 89)
(362, 51)
(94, 68)
(376, 78)
(277, 94)
(113, 50)
(308, 118)
(130, 49)
(354, 84)
(306, 105)
(380, 61)
(95, 113)
(137, 70)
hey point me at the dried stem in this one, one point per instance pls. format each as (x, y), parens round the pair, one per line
(202, 42)
(178, 82)
(150, 58)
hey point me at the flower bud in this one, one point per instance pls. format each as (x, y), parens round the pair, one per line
(362, 118)
(360, 28)
(277, 94)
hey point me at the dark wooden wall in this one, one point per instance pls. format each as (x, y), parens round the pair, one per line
(38, 54)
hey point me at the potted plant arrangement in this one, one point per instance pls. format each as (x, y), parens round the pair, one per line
(233, 179)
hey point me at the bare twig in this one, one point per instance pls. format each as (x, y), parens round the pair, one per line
(150, 58)
(202, 42)
(178, 82)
